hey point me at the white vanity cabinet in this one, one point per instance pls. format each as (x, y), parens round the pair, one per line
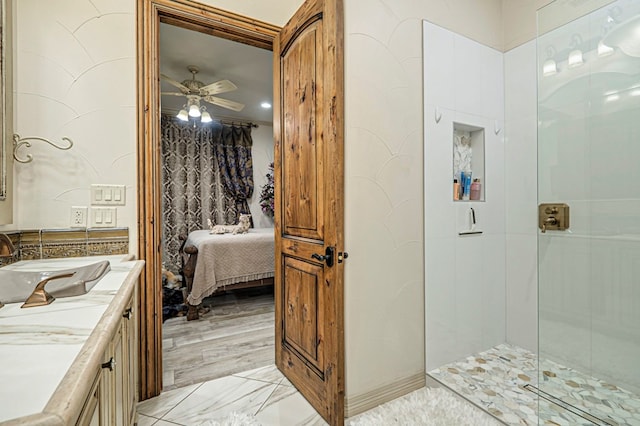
(113, 396)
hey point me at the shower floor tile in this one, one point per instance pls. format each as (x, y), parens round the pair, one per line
(496, 380)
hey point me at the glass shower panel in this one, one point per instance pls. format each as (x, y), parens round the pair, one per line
(589, 158)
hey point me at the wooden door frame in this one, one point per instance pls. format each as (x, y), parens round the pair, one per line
(197, 17)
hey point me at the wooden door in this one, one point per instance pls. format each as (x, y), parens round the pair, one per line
(308, 132)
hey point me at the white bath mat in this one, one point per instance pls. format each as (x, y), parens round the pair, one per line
(426, 406)
(233, 419)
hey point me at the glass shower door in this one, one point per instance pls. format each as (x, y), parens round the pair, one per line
(589, 159)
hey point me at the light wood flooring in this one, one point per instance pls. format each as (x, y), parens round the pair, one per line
(236, 335)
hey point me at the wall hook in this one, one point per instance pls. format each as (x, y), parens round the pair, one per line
(496, 127)
(18, 142)
(438, 115)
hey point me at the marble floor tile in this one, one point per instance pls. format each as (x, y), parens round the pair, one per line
(269, 374)
(262, 392)
(160, 405)
(146, 420)
(215, 399)
(286, 407)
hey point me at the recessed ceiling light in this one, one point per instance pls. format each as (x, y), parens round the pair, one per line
(265, 105)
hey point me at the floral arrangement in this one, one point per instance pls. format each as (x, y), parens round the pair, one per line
(267, 193)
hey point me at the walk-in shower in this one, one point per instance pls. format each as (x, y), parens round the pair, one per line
(580, 289)
(589, 158)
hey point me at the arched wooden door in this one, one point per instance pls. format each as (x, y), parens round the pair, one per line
(308, 131)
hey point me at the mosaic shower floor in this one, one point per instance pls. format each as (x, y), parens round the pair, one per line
(503, 381)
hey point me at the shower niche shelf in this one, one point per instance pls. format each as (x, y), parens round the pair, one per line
(468, 162)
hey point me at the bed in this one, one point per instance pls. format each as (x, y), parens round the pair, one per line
(219, 262)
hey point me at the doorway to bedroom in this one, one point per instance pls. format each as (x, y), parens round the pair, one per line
(216, 137)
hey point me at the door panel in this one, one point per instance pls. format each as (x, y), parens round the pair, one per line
(308, 133)
(302, 288)
(302, 153)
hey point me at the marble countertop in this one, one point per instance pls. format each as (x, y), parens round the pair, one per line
(39, 345)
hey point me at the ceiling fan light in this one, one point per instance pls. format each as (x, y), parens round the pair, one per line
(194, 111)
(575, 58)
(206, 118)
(183, 115)
(549, 68)
(604, 50)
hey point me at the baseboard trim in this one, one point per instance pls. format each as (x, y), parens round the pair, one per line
(357, 404)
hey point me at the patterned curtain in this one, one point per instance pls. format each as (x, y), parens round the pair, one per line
(235, 164)
(193, 190)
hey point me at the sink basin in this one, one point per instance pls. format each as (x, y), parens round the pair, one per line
(17, 286)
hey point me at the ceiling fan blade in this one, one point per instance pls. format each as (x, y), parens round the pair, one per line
(171, 81)
(172, 93)
(221, 86)
(225, 103)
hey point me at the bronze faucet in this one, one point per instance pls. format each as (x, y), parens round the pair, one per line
(6, 247)
(7, 250)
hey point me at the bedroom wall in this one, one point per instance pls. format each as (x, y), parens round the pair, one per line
(262, 154)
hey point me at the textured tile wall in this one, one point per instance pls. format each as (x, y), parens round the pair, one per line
(75, 72)
(384, 285)
(57, 243)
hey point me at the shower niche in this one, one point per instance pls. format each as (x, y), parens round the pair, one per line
(468, 162)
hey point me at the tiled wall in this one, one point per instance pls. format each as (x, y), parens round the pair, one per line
(56, 243)
(521, 195)
(465, 275)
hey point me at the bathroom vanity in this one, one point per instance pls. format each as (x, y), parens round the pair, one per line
(74, 361)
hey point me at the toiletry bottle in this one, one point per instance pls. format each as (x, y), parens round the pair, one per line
(456, 190)
(466, 182)
(475, 190)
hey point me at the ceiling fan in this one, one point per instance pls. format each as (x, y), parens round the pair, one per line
(195, 90)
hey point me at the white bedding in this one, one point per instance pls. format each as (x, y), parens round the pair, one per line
(225, 259)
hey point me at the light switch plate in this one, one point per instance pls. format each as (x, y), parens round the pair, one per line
(103, 217)
(108, 195)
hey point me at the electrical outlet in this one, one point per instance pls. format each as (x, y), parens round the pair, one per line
(78, 217)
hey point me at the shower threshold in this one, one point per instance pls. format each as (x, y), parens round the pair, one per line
(503, 381)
